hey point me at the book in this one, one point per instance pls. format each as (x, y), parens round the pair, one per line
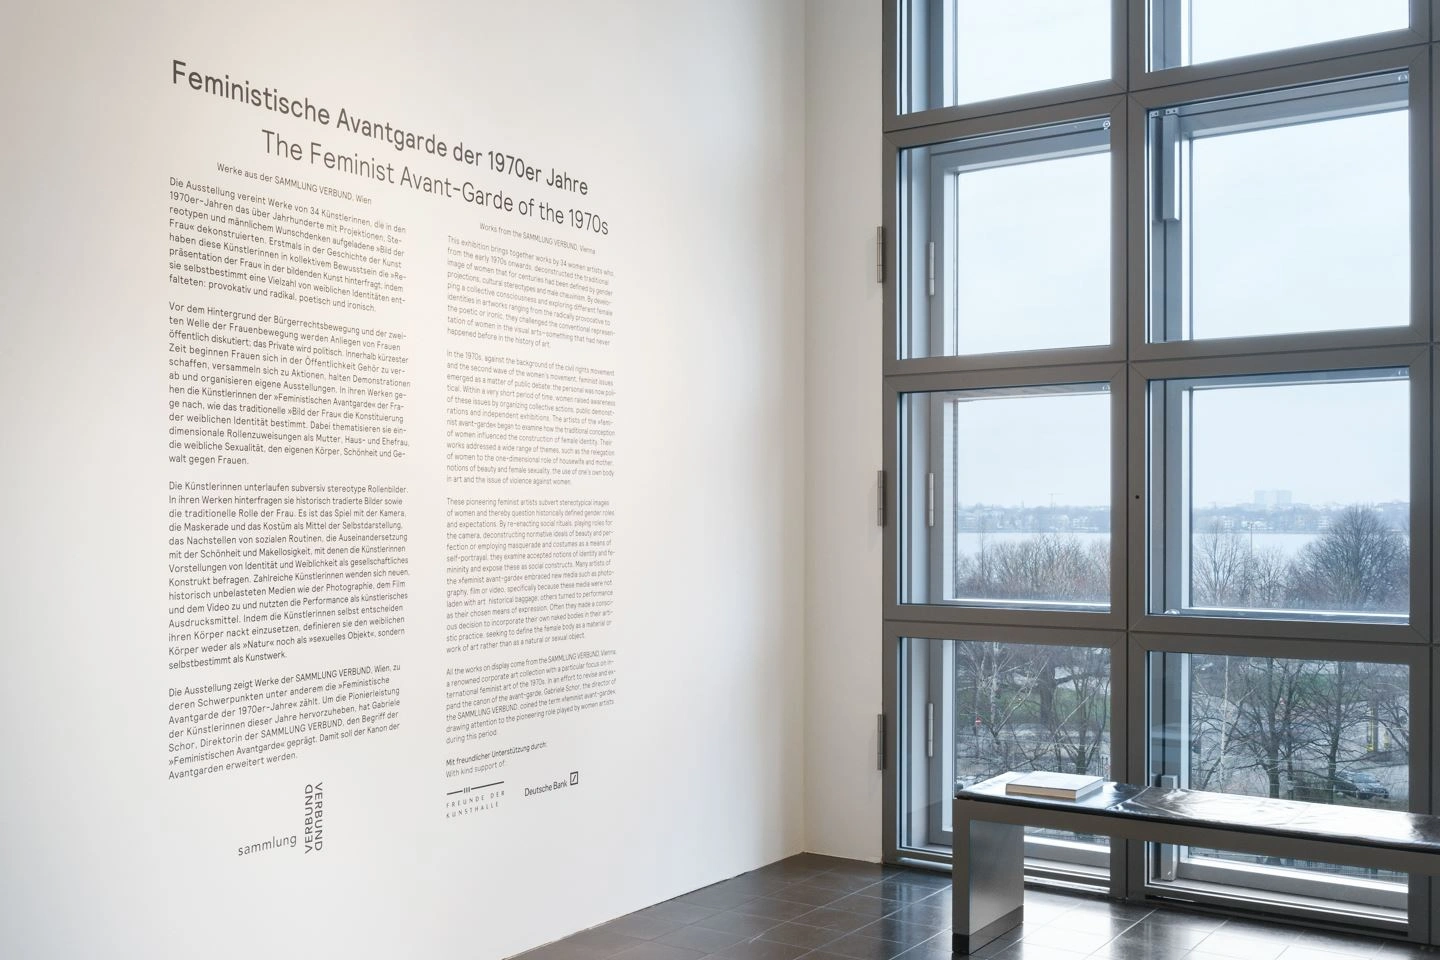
(1056, 786)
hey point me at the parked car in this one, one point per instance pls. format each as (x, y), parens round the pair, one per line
(1363, 784)
(1345, 785)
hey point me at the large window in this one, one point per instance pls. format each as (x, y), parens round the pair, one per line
(993, 524)
(1010, 241)
(1281, 212)
(981, 707)
(1251, 517)
(1321, 731)
(1161, 423)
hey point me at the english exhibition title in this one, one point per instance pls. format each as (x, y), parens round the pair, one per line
(504, 164)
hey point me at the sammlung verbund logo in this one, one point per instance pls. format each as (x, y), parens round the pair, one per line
(572, 780)
(314, 817)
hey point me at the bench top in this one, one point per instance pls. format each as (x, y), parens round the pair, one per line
(1362, 826)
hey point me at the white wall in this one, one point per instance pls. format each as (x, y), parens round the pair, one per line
(843, 422)
(688, 119)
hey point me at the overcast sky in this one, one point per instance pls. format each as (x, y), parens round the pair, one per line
(1023, 45)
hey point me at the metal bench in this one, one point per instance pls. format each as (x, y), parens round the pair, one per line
(989, 858)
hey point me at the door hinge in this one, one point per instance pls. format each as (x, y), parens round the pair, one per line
(880, 741)
(879, 254)
(880, 498)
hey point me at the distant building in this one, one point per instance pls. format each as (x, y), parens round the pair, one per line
(1273, 498)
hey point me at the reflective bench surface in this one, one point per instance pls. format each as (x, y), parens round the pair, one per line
(1364, 826)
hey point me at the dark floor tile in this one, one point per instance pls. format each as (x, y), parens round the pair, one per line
(907, 934)
(859, 947)
(777, 910)
(563, 950)
(1248, 943)
(1159, 938)
(658, 951)
(801, 935)
(641, 928)
(719, 896)
(927, 913)
(1136, 950)
(1046, 898)
(1246, 927)
(741, 923)
(844, 882)
(607, 943)
(784, 872)
(1075, 941)
(904, 891)
(696, 937)
(1112, 909)
(918, 878)
(757, 885)
(938, 947)
(1339, 942)
(1000, 944)
(1091, 921)
(808, 893)
(866, 905)
(818, 861)
(762, 950)
(672, 912)
(1404, 951)
(842, 921)
(1300, 951)
(1030, 951)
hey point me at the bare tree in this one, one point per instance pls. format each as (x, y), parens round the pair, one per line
(1359, 563)
(1266, 702)
(1219, 568)
(1047, 566)
(1034, 706)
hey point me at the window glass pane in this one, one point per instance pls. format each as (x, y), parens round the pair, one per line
(1009, 243)
(1021, 46)
(975, 708)
(1029, 707)
(1024, 278)
(991, 521)
(1320, 731)
(1285, 222)
(1209, 30)
(1026, 707)
(1290, 495)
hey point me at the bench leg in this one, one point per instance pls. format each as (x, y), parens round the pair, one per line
(989, 882)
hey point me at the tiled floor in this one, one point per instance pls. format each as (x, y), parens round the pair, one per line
(822, 908)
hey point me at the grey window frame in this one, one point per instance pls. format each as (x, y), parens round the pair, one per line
(929, 196)
(1144, 858)
(1172, 129)
(1135, 360)
(1168, 535)
(928, 783)
(1157, 55)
